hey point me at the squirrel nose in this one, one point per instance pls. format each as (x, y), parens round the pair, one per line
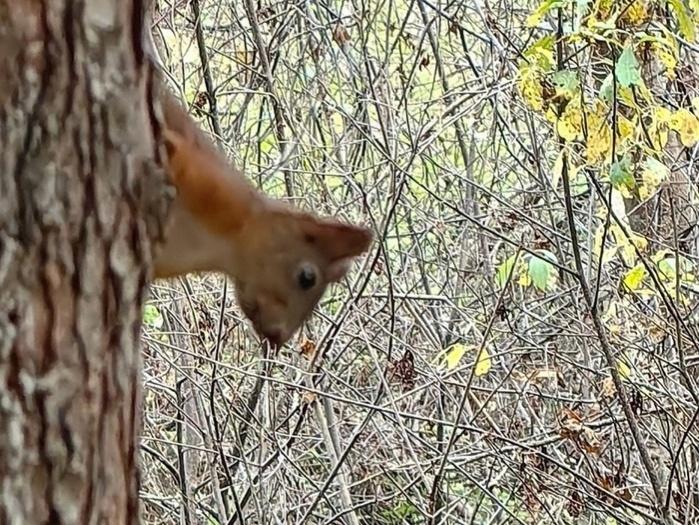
(275, 335)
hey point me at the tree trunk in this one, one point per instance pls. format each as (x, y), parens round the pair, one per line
(79, 175)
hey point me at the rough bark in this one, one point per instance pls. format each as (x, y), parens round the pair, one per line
(81, 199)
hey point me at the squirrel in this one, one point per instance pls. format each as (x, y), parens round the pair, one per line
(279, 258)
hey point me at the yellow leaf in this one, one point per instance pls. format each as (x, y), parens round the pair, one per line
(634, 277)
(338, 122)
(684, 19)
(694, 6)
(658, 129)
(244, 57)
(637, 13)
(663, 115)
(599, 135)
(603, 8)
(625, 129)
(534, 18)
(623, 368)
(540, 54)
(529, 84)
(454, 355)
(483, 364)
(628, 245)
(524, 279)
(666, 50)
(626, 95)
(687, 126)
(609, 253)
(614, 329)
(654, 172)
(569, 126)
(628, 251)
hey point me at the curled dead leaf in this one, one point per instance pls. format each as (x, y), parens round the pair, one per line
(308, 349)
(574, 429)
(317, 51)
(624, 493)
(608, 388)
(200, 101)
(245, 57)
(309, 397)
(568, 414)
(606, 482)
(340, 34)
(425, 61)
(589, 441)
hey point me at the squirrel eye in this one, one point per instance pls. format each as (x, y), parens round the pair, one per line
(306, 278)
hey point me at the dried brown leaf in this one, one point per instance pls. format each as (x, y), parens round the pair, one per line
(340, 34)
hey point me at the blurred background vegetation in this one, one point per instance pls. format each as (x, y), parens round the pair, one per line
(521, 344)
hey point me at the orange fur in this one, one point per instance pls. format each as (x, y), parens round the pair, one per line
(219, 222)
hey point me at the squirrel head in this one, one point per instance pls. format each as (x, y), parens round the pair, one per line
(288, 261)
(280, 259)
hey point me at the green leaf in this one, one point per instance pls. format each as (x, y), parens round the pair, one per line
(541, 271)
(668, 267)
(684, 19)
(566, 81)
(579, 184)
(620, 174)
(606, 90)
(627, 70)
(152, 316)
(504, 271)
(267, 144)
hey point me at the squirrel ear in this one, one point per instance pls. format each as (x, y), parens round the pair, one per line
(337, 242)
